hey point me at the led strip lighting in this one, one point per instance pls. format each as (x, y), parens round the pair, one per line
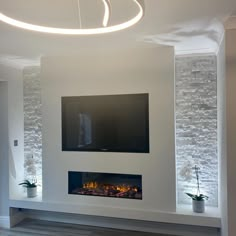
(106, 12)
(89, 31)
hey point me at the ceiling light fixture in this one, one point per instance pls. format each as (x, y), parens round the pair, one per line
(107, 6)
(81, 31)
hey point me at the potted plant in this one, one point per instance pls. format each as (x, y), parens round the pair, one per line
(31, 187)
(198, 199)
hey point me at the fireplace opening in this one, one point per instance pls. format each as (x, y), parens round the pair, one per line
(105, 184)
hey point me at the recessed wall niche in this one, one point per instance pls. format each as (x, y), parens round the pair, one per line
(196, 126)
(32, 124)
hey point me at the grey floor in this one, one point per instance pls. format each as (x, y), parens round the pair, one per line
(37, 227)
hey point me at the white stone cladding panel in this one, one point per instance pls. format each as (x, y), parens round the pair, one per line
(32, 123)
(196, 125)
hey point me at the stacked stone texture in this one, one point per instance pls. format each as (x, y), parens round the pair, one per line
(32, 123)
(196, 126)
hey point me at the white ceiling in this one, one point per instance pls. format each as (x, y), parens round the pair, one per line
(190, 26)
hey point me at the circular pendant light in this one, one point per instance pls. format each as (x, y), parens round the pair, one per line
(81, 31)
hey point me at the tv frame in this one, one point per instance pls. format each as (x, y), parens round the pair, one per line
(147, 146)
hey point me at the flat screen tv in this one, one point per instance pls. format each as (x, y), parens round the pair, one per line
(106, 123)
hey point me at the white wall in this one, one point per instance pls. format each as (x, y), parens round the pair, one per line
(13, 76)
(231, 128)
(4, 210)
(149, 70)
(16, 132)
(221, 124)
(11, 128)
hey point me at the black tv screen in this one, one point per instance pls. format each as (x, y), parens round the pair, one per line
(106, 123)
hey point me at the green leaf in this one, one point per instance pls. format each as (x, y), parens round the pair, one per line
(190, 195)
(200, 197)
(27, 184)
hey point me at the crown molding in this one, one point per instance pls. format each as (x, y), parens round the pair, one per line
(196, 52)
(18, 63)
(230, 23)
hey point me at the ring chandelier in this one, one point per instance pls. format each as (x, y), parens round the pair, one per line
(81, 31)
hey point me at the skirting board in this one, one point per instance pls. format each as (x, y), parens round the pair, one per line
(117, 223)
(4, 221)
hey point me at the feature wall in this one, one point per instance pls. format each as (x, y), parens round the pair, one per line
(147, 70)
(196, 123)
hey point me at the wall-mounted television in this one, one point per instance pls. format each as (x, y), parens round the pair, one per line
(106, 123)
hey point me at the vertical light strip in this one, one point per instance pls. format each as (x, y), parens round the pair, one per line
(107, 7)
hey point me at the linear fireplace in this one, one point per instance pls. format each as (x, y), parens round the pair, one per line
(105, 184)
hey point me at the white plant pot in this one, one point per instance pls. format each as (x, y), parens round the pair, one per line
(32, 192)
(198, 206)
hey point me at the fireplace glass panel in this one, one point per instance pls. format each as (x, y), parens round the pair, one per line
(105, 184)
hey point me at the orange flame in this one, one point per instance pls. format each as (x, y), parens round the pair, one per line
(120, 188)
